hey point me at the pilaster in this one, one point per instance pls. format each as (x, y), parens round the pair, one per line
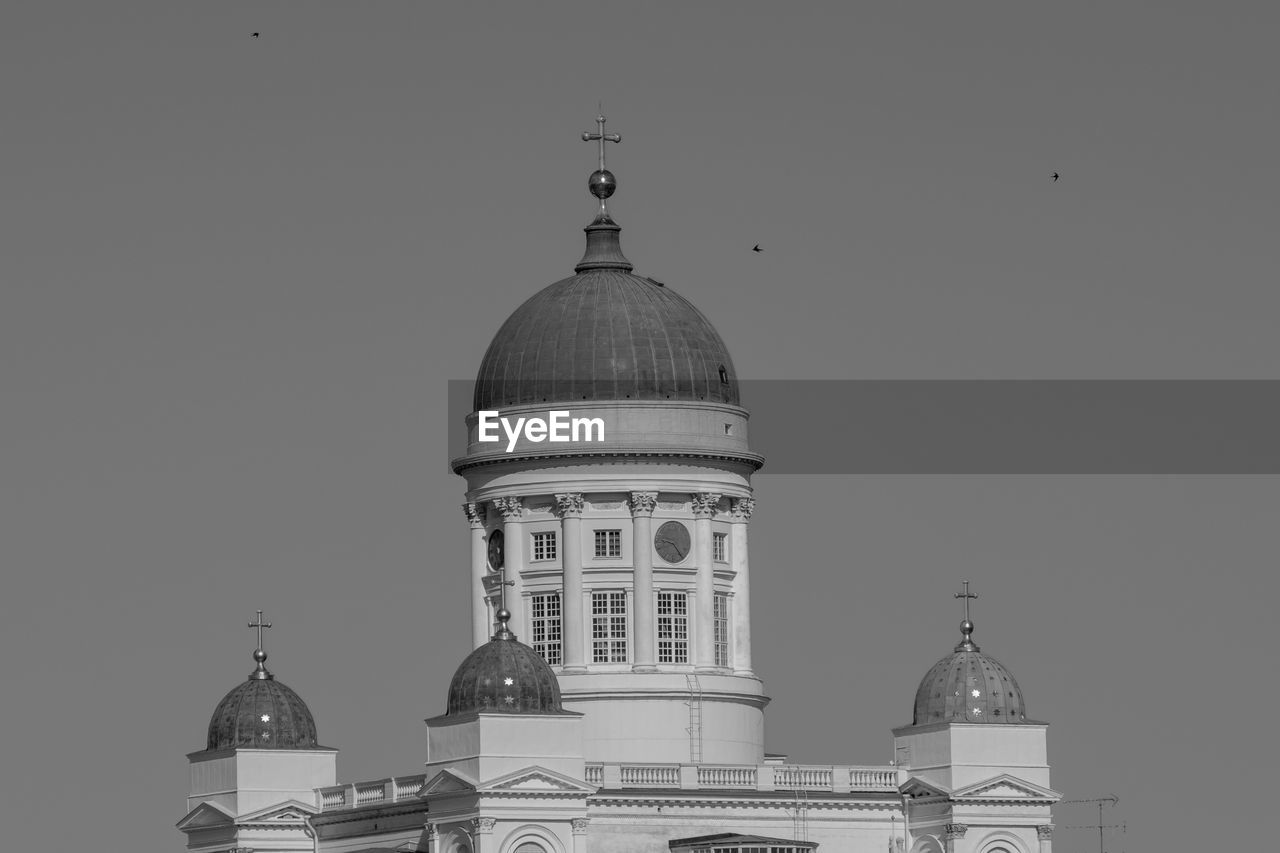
(569, 507)
(579, 825)
(1044, 832)
(480, 628)
(641, 505)
(704, 508)
(740, 650)
(512, 509)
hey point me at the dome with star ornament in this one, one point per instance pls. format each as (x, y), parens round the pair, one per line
(262, 713)
(504, 676)
(968, 686)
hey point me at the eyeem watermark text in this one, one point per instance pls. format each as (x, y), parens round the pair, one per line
(559, 426)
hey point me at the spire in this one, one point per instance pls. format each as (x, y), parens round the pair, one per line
(966, 627)
(260, 653)
(604, 249)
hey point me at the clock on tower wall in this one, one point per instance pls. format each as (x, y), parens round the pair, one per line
(672, 542)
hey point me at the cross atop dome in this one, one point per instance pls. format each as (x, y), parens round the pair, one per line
(602, 183)
(260, 653)
(966, 627)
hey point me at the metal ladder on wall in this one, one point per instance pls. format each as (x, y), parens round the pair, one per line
(800, 819)
(695, 718)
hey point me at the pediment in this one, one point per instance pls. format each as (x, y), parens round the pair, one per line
(204, 816)
(1006, 788)
(920, 789)
(537, 780)
(448, 782)
(292, 811)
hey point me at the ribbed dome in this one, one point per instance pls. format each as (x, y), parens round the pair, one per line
(262, 713)
(967, 686)
(505, 676)
(605, 334)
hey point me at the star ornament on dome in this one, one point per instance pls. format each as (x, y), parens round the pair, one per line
(266, 718)
(266, 735)
(510, 700)
(976, 693)
(978, 711)
(508, 681)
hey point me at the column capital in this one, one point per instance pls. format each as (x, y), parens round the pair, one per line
(742, 508)
(642, 503)
(484, 824)
(579, 825)
(955, 830)
(432, 832)
(475, 514)
(511, 507)
(705, 504)
(1044, 831)
(569, 505)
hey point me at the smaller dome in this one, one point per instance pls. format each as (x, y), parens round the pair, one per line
(504, 676)
(968, 686)
(262, 713)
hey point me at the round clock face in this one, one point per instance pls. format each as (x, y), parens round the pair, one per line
(672, 542)
(495, 550)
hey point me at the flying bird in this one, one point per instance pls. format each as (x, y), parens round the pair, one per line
(255, 35)
(757, 248)
(1056, 176)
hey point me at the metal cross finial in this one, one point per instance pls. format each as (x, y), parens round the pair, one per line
(966, 595)
(601, 137)
(259, 624)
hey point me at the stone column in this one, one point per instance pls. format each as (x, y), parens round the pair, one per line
(1045, 833)
(512, 509)
(482, 832)
(642, 504)
(579, 825)
(953, 832)
(480, 629)
(570, 507)
(740, 650)
(704, 508)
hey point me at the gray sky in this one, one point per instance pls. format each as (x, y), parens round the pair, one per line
(238, 274)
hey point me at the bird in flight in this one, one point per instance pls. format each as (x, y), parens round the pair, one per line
(1056, 176)
(255, 35)
(757, 248)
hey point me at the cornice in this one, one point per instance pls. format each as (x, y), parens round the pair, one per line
(463, 463)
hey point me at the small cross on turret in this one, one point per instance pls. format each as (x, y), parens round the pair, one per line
(260, 654)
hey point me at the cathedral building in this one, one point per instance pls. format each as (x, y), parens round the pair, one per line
(609, 702)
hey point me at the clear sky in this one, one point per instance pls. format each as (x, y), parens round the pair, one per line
(238, 274)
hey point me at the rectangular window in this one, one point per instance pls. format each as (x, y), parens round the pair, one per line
(544, 546)
(608, 627)
(718, 547)
(608, 543)
(673, 627)
(546, 627)
(721, 619)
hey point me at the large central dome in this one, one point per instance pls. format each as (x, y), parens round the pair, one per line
(605, 334)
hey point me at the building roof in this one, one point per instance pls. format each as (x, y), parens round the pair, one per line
(968, 686)
(605, 334)
(504, 676)
(262, 713)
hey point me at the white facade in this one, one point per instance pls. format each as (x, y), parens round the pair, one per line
(625, 564)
